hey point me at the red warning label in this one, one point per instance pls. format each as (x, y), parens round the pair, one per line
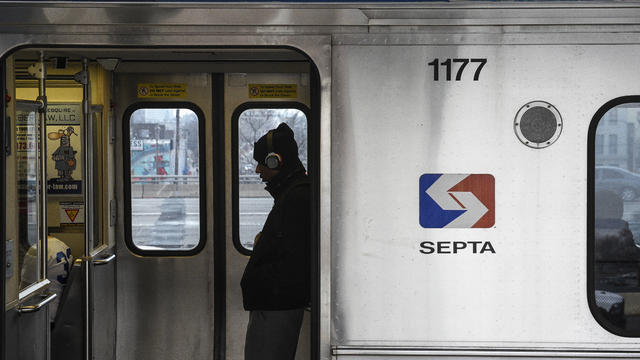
(72, 213)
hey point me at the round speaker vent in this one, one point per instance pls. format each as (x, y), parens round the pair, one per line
(538, 124)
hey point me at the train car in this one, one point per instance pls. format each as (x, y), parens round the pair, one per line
(474, 166)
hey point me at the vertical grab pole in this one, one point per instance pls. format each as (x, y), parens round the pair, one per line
(40, 71)
(3, 219)
(87, 156)
(42, 218)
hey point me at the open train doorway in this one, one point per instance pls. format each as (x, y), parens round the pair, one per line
(165, 195)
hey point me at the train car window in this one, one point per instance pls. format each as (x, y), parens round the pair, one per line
(614, 249)
(29, 248)
(98, 238)
(165, 199)
(252, 202)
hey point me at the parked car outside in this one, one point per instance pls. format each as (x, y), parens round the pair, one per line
(611, 306)
(621, 181)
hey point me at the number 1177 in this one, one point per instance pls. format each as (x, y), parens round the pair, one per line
(448, 68)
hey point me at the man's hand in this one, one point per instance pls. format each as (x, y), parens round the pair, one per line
(255, 240)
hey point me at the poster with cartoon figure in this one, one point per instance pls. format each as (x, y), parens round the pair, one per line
(64, 159)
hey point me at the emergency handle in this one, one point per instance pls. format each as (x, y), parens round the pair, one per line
(34, 308)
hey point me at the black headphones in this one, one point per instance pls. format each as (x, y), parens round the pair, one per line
(273, 159)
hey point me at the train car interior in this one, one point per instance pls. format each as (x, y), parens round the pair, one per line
(132, 198)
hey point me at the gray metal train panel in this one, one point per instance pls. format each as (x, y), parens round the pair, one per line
(393, 123)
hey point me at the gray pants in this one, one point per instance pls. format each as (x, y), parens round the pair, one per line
(273, 335)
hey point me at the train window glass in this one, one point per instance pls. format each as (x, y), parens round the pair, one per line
(166, 186)
(613, 141)
(253, 202)
(98, 238)
(599, 144)
(615, 243)
(612, 174)
(29, 248)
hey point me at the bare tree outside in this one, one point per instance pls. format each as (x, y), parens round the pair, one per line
(254, 123)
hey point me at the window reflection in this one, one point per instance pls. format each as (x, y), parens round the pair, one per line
(617, 218)
(27, 167)
(165, 182)
(98, 239)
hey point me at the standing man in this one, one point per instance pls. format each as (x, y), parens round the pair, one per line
(275, 284)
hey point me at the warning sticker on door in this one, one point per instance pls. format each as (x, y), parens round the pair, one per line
(262, 91)
(162, 90)
(71, 213)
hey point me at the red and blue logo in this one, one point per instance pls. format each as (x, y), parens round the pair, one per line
(457, 201)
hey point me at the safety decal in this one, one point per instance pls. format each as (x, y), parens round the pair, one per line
(162, 90)
(457, 200)
(265, 91)
(71, 213)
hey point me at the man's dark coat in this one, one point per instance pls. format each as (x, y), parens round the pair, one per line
(277, 275)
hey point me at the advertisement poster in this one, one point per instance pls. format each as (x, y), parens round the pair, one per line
(64, 153)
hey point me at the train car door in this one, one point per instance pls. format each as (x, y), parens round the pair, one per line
(165, 268)
(102, 271)
(259, 98)
(60, 297)
(26, 296)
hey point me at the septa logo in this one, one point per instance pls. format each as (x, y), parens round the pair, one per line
(457, 200)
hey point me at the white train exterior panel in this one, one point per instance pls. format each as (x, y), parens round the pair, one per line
(392, 123)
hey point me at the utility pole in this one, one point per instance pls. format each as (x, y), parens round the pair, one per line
(156, 160)
(177, 167)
